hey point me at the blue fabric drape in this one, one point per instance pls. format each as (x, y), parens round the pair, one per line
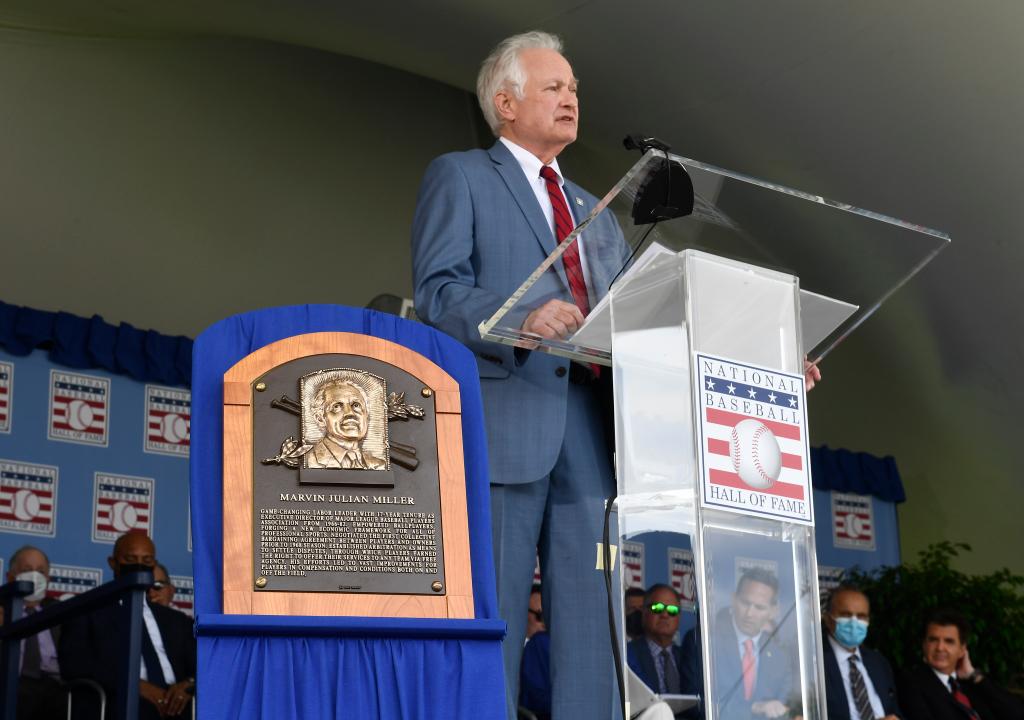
(338, 667)
(84, 343)
(856, 472)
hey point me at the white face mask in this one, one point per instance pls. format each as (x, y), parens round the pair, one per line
(38, 580)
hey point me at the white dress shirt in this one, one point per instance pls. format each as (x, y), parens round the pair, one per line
(843, 658)
(531, 166)
(158, 644)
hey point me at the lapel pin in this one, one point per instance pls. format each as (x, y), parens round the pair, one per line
(579, 201)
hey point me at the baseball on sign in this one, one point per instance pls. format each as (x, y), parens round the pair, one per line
(755, 454)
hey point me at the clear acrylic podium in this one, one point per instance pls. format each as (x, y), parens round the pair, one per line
(705, 319)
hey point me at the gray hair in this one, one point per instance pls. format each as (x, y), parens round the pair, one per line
(503, 71)
(320, 399)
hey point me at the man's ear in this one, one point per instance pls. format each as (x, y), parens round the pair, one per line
(503, 103)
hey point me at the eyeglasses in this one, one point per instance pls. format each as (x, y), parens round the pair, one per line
(537, 614)
(158, 585)
(659, 608)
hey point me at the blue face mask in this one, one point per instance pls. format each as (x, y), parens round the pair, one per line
(850, 631)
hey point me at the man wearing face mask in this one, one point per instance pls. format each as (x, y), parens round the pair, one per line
(40, 695)
(859, 682)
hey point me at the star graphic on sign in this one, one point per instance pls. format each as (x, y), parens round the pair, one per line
(711, 384)
(732, 389)
(752, 393)
(792, 402)
(771, 397)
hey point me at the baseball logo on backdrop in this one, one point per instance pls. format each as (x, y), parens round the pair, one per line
(680, 576)
(69, 580)
(184, 594)
(6, 396)
(168, 420)
(121, 503)
(79, 408)
(829, 579)
(753, 440)
(28, 498)
(633, 564)
(853, 521)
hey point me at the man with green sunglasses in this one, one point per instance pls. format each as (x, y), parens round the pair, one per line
(654, 656)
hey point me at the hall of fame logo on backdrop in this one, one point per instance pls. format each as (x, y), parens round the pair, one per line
(829, 579)
(853, 521)
(6, 396)
(79, 408)
(184, 594)
(743, 564)
(633, 564)
(69, 580)
(168, 420)
(121, 503)
(28, 498)
(753, 440)
(680, 576)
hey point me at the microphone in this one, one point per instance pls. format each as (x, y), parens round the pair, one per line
(643, 143)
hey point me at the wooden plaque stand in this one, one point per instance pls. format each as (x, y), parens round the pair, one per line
(240, 597)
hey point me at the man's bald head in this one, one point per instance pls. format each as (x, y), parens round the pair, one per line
(132, 548)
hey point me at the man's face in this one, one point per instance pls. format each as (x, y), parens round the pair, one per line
(344, 413)
(661, 627)
(133, 549)
(634, 603)
(162, 591)
(753, 607)
(943, 647)
(545, 119)
(534, 617)
(28, 561)
(847, 604)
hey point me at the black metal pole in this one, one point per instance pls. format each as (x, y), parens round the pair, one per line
(10, 648)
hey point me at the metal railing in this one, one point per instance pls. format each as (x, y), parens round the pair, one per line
(128, 591)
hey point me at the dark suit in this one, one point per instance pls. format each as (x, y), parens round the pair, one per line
(924, 697)
(43, 697)
(478, 233)
(90, 647)
(639, 658)
(777, 675)
(878, 670)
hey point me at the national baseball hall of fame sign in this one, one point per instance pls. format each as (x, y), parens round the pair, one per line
(344, 485)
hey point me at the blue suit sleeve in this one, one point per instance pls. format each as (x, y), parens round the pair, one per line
(443, 260)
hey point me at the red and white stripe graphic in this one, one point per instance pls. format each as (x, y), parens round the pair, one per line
(722, 467)
(121, 503)
(853, 521)
(79, 408)
(168, 420)
(184, 594)
(28, 498)
(6, 395)
(633, 564)
(680, 575)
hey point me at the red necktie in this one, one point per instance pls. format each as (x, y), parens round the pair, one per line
(749, 669)
(958, 695)
(563, 226)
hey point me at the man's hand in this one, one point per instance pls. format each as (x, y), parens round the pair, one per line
(964, 668)
(177, 698)
(812, 374)
(155, 695)
(554, 320)
(769, 708)
(890, 717)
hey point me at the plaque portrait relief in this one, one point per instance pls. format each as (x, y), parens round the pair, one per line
(344, 419)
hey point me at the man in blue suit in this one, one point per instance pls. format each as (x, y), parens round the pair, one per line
(654, 656)
(485, 220)
(755, 672)
(859, 684)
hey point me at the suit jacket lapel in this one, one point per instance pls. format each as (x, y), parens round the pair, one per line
(509, 170)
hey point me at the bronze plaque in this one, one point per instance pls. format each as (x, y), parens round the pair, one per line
(346, 494)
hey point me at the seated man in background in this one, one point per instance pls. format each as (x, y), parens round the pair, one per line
(40, 694)
(947, 686)
(755, 673)
(535, 668)
(859, 683)
(90, 644)
(633, 608)
(654, 656)
(162, 592)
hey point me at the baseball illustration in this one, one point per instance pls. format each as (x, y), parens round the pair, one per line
(26, 504)
(80, 415)
(123, 516)
(174, 428)
(755, 454)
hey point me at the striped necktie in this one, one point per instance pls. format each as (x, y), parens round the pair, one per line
(961, 699)
(861, 701)
(563, 226)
